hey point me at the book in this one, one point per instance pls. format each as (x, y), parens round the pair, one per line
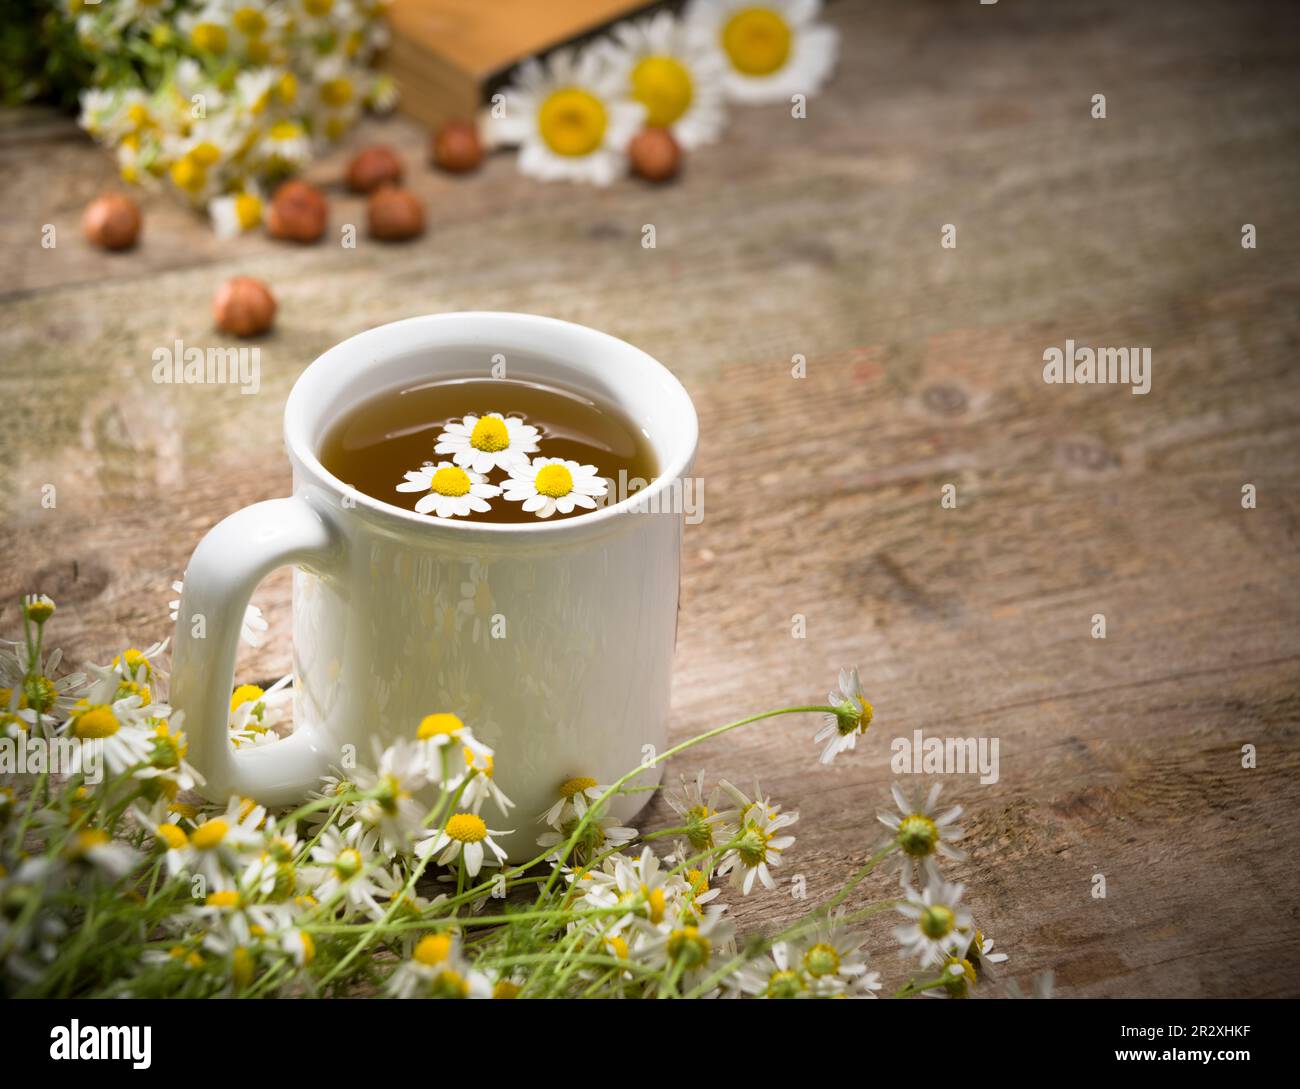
(448, 56)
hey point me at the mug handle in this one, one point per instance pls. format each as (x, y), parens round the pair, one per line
(229, 562)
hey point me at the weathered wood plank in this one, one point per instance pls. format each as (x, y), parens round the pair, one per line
(821, 237)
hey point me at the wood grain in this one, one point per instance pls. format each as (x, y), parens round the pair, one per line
(821, 237)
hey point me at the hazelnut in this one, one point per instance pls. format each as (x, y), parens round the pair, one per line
(395, 214)
(654, 154)
(243, 306)
(457, 148)
(112, 221)
(372, 167)
(298, 212)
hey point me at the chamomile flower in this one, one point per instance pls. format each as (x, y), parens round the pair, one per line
(117, 731)
(450, 749)
(251, 628)
(648, 891)
(769, 49)
(694, 945)
(483, 786)
(702, 817)
(777, 973)
(29, 686)
(921, 832)
(452, 492)
(852, 715)
(979, 952)
(484, 443)
(236, 212)
(344, 870)
(570, 117)
(673, 75)
(834, 962)
(758, 846)
(600, 833)
(575, 796)
(546, 485)
(464, 837)
(256, 713)
(937, 922)
(437, 969)
(391, 806)
(95, 847)
(219, 842)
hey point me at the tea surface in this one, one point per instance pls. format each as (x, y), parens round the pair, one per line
(520, 449)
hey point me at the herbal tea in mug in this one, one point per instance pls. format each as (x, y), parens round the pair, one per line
(489, 450)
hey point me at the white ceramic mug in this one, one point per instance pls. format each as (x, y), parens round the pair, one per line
(394, 612)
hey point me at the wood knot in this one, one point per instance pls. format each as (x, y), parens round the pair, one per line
(945, 399)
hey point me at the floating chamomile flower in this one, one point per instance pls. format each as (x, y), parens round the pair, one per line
(547, 485)
(938, 922)
(921, 833)
(769, 49)
(570, 117)
(674, 76)
(464, 837)
(453, 492)
(851, 717)
(484, 443)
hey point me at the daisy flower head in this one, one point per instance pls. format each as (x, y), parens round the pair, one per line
(921, 831)
(390, 804)
(694, 944)
(778, 973)
(674, 75)
(255, 713)
(96, 848)
(546, 485)
(979, 952)
(345, 869)
(937, 921)
(599, 834)
(851, 717)
(467, 838)
(219, 842)
(570, 117)
(576, 796)
(118, 731)
(450, 749)
(437, 969)
(757, 846)
(236, 212)
(768, 49)
(452, 492)
(705, 822)
(484, 443)
(834, 962)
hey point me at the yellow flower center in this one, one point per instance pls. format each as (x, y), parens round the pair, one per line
(133, 659)
(318, 8)
(467, 828)
(689, 945)
(937, 921)
(450, 480)
(757, 41)
(205, 153)
(348, 863)
(572, 122)
(287, 87)
(248, 211)
(95, 723)
(336, 92)
(173, 835)
(86, 841)
(241, 967)
(654, 904)
(617, 945)
(433, 949)
(250, 22)
(822, 959)
(223, 898)
(188, 176)
(576, 786)
(554, 480)
(285, 131)
(209, 38)
(490, 435)
(209, 834)
(663, 86)
(245, 693)
(918, 835)
(505, 988)
(443, 724)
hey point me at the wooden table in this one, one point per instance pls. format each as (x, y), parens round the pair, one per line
(821, 237)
